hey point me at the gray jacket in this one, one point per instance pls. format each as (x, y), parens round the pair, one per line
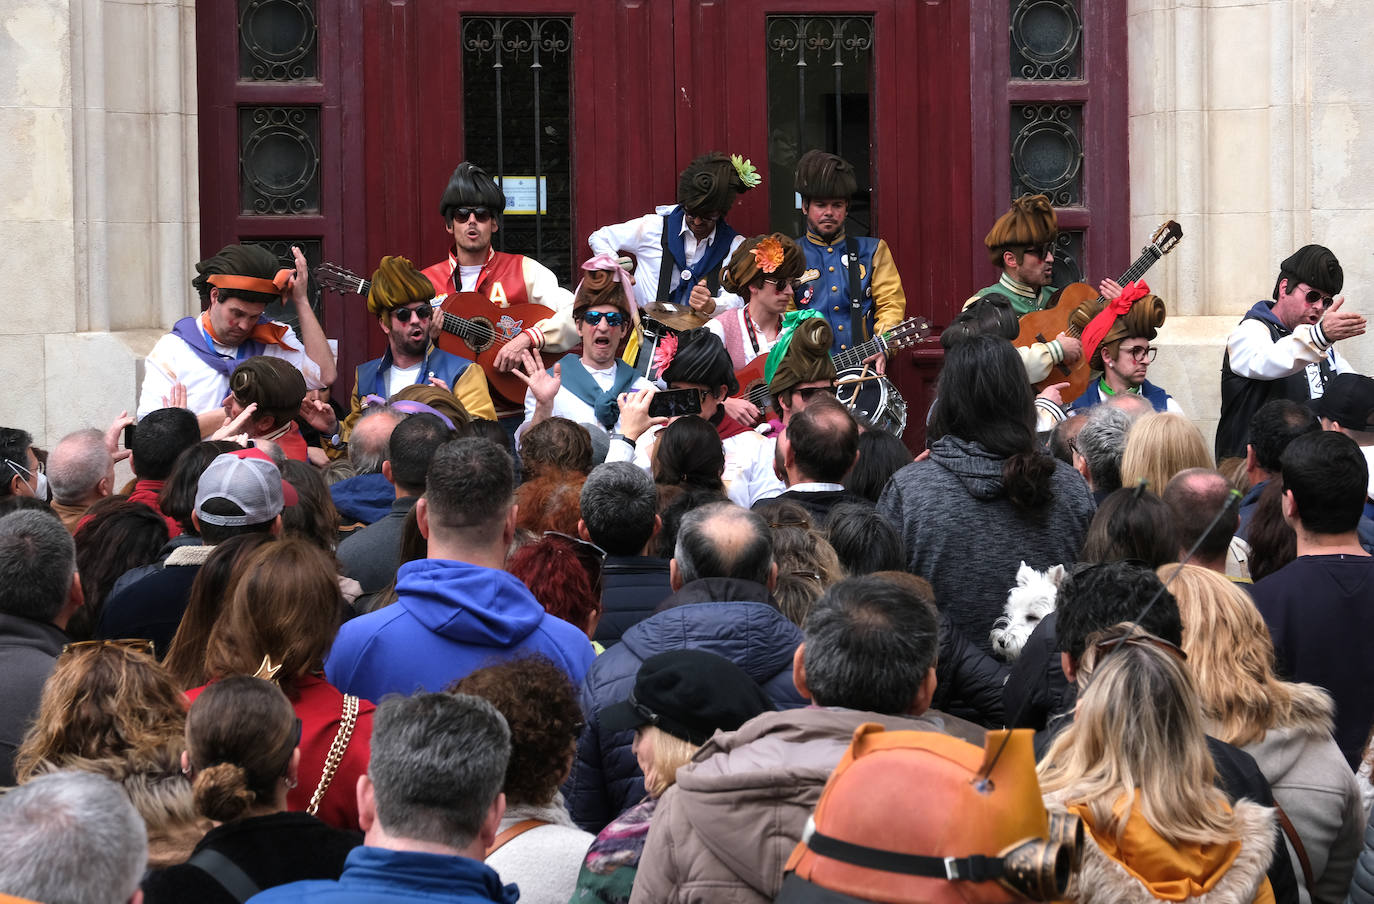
(723, 833)
(28, 654)
(963, 535)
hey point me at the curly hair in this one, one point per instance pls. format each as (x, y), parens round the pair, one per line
(552, 501)
(556, 444)
(112, 710)
(540, 705)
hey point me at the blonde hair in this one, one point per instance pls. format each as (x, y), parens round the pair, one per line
(1158, 447)
(1137, 739)
(1231, 659)
(671, 753)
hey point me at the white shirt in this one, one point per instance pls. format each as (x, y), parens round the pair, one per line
(467, 276)
(398, 378)
(644, 237)
(748, 474)
(567, 405)
(172, 360)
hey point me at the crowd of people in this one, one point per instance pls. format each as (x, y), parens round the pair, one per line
(643, 634)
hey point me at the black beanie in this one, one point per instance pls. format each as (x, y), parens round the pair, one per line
(701, 358)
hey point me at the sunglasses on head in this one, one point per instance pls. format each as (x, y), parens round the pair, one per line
(423, 312)
(137, 645)
(612, 318)
(481, 213)
(590, 556)
(1139, 639)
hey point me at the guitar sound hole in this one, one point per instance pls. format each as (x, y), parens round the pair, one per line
(480, 334)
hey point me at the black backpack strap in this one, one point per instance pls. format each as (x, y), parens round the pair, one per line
(858, 332)
(665, 268)
(226, 872)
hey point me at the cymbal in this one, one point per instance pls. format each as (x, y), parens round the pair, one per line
(676, 316)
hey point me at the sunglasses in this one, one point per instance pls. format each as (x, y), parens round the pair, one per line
(811, 391)
(481, 213)
(1139, 640)
(590, 556)
(1312, 296)
(613, 318)
(1041, 251)
(423, 312)
(134, 644)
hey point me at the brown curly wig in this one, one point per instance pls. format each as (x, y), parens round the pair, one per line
(541, 708)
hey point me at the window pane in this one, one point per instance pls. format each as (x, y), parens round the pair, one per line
(517, 123)
(279, 160)
(312, 249)
(820, 81)
(1046, 152)
(1068, 252)
(277, 40)
(1046, 39)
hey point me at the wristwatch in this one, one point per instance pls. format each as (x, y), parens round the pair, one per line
(621, 436)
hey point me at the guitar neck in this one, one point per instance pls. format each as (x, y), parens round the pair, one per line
(851, 356)
(1135, 271)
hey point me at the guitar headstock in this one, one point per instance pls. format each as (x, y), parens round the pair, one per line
(1166, 237)
(337, 279)
(908, 332)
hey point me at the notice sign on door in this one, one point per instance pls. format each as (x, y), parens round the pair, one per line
(525, 195)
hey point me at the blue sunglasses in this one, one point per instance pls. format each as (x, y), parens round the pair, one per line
(612, 318)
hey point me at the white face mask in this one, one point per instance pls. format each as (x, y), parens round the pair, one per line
(37, 482)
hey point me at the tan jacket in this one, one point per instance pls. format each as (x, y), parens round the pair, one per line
(723, 833)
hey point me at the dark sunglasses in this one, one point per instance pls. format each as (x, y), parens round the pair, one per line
(423, 312)
(1314, 297)
(809, 392)
(612, 318)
(481, 213)
(1041, 251)
(136, 645)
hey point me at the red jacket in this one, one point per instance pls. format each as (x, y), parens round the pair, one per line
(146, 492)
(502, 279)
(319, 706)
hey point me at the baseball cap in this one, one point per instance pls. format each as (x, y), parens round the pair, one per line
(690, 694)
(250, 480)
(1348, 400)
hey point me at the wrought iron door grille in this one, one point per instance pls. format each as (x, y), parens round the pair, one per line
(517, 124)
(1046, 152)
(277, 40)
(1046, 40)
(809, 107)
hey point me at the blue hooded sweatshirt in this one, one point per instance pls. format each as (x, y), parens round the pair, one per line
(450, 619)
(381, 876)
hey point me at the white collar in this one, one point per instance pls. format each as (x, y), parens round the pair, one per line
(816, 487)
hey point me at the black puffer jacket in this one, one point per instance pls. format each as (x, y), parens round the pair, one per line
(1037, 690)
(969, 681)
(605, 779)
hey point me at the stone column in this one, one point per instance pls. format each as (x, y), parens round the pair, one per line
(100, 211)
(1246, 127)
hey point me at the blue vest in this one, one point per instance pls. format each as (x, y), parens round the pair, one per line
(1093, 394)
(439, 363)
(825, 286)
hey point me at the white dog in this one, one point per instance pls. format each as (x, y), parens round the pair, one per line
(1029, 601)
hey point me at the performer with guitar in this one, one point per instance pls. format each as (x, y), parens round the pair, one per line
(471, 207)
(761, 272)
(401, 299)
(678, 252)
(850, 280)
(1021, 245)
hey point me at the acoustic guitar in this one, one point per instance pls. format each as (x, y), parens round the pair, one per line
(905, 334)
(1042, 326)
(471, 326)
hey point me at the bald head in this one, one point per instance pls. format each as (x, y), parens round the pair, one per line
(370, 442)
(1135, 405)
(723, 540)
(81, 468)
(821, 443)
(1194, 497)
